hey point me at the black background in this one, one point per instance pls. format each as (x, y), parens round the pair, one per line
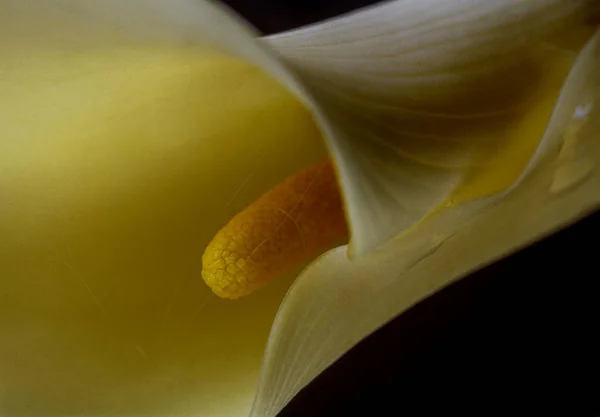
(272, 16)
(520, 337)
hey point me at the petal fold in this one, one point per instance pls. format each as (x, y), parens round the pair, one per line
(413, 94)
(336, 302)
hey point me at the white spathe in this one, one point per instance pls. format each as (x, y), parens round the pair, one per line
(129, 139)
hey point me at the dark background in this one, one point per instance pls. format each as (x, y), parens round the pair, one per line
(518, 338)
(272, 16)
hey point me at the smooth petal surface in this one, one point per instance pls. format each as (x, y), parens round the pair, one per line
(79, 25)
(337, 302)
(126, 143)
(413, 93)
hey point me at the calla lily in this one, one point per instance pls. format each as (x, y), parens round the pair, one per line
(133, 131)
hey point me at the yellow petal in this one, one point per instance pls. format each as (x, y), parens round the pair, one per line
(413, 94)
(120, 158)
(337, 302)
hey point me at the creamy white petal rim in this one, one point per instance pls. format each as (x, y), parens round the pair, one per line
(337, 302)
(83, 24)
(403, 82)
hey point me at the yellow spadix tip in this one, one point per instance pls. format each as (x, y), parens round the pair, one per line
(299, 218)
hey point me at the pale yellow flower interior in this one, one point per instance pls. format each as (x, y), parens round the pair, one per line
(117, 168)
